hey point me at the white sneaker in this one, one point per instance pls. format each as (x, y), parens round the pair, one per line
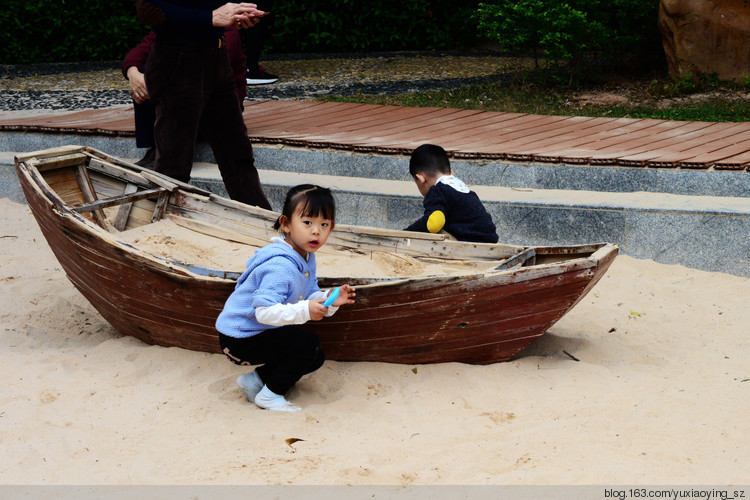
(260, 77)
(251, 384)
(269, 400)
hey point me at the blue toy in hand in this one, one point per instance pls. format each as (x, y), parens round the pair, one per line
(332, 297)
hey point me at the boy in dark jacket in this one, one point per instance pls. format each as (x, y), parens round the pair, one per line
(449, 205)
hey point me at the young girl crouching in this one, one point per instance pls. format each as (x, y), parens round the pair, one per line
(277, 292)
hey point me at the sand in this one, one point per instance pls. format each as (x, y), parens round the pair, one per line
(166, 238)
(660, 395)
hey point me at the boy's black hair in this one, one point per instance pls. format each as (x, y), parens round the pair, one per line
(429, 159)
(311, 200)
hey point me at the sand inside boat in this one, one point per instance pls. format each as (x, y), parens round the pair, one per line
(166, 238)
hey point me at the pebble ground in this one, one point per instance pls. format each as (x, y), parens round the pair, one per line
(72, 86)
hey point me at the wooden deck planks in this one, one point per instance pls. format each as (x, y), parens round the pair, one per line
(722, 143)
(464, 133)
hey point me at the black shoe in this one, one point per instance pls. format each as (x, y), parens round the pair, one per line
(260, 76)
(148, 159)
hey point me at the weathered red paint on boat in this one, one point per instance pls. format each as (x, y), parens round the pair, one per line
(481, 318)
(155, 305)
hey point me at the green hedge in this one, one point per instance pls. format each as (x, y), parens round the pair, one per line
(41, 31)
(383, 25)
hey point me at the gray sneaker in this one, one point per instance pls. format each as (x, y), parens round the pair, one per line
(251, 384)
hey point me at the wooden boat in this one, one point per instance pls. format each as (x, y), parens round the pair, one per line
(493, 301)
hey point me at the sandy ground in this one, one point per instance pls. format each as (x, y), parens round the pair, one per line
(661, 395)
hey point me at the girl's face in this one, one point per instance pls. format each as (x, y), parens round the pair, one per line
(306, 234)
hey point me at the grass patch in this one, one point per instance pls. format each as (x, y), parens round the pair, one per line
(611, 97)
(712, 110)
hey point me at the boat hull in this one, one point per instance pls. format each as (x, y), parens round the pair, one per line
(478, 318)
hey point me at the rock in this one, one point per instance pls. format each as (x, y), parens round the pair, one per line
(706, 36)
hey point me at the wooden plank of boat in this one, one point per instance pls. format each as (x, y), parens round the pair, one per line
(118, 200)
(123, 212)
(344, 236)
(55, 153)
(61, 161)
(113, 171)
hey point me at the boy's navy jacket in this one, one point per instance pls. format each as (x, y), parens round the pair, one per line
(275, 274)
(466, 219)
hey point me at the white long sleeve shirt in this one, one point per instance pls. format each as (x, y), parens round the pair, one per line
(290, 314)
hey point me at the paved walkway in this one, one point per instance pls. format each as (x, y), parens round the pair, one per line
(466, 134)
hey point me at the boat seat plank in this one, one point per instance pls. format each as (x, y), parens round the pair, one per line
(161, 207)
(247, 209)
(119, 200)
(113, 171)
(121, 219)
(159, 181)
(518, 259)
(89, 195)
(71, 160)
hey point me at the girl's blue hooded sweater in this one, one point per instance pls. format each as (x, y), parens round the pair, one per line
(275, 274)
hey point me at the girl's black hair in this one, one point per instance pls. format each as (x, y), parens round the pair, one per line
(311, 200)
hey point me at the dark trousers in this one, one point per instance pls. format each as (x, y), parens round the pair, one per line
(193, 88)
(145, 115)
(287, 353)
(254, 37)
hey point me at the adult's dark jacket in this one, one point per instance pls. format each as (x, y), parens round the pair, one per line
(181, 20)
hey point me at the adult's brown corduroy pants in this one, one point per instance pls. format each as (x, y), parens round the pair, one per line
(193, 90)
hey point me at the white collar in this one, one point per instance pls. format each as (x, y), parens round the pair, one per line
(454, 182)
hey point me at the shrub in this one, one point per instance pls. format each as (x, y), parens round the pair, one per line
(557, 29)
(619, 32)
(100, 30)
(67, 30)
(355, 26)
(38, 31)
(632, 37)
